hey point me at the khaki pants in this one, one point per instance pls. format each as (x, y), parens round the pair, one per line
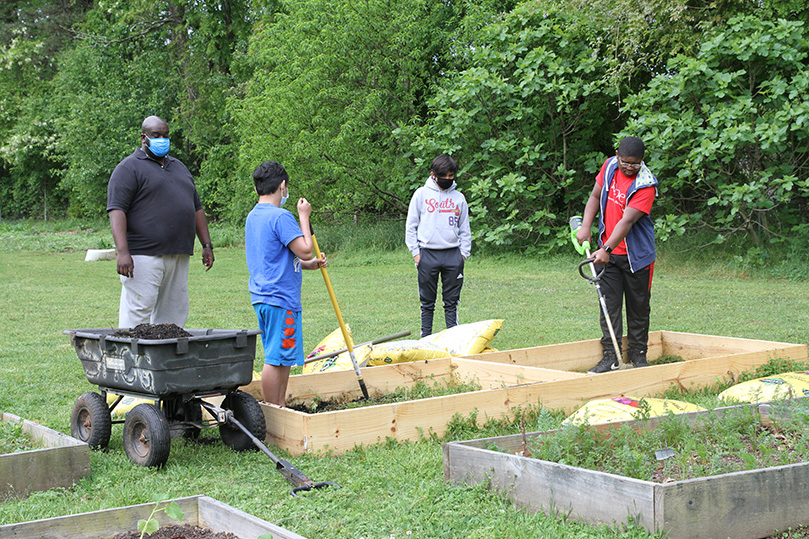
(158, 292)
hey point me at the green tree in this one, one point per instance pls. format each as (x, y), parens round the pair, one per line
(142, 57)
(332, 81)
(526, 123)
(729, 126)
(32, 32)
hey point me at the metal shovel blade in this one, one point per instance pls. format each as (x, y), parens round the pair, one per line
(663, 454)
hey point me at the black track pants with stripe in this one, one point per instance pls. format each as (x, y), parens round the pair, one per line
(448, 265)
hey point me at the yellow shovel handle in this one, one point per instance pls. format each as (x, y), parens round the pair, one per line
(346, 336)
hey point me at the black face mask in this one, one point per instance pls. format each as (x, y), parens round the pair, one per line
(444, 183)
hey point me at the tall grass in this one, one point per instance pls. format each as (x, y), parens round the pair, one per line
(388, 490)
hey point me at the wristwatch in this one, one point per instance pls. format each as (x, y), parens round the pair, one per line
(207, 246)
(608, 249)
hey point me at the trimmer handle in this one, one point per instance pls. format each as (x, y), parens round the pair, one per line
(592, 278)
(575, 225)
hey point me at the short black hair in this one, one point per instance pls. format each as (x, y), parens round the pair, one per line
(268, 177)
(631, 147)
(443, 165)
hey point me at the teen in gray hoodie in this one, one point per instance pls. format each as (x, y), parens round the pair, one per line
(440, 240)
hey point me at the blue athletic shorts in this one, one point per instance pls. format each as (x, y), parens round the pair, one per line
(282, 335)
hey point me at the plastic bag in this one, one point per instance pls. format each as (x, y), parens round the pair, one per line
(331, 343)
(341, 362)
(405, 351)
(126, 404)
(466, 339)
(787, 385)
(626, 409)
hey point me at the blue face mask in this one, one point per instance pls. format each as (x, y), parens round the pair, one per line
(284, 199)
(159, 146)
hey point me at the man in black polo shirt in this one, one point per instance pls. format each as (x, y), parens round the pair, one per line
(155, 212)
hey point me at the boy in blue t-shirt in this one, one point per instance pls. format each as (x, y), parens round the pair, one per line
(277, 249)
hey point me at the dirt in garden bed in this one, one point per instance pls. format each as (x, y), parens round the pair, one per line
(153, 332)
(184, 531)
(419, 390)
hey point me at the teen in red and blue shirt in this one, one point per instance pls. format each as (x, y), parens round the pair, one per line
(623, 196)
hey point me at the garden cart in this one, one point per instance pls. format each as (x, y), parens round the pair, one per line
(176, 379)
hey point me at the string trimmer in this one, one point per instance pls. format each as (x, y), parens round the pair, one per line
(595, 278)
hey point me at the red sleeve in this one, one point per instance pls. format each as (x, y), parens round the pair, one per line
(643, 199)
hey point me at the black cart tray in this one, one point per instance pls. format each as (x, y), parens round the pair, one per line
(208, 359)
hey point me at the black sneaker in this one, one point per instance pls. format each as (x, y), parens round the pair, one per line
(638, 359)
(606, 364)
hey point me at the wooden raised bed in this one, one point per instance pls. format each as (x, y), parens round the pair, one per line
(199, 511)
(542, 375)
(742, 505)
(61, 462)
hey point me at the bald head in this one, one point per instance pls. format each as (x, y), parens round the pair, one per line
(153, 123)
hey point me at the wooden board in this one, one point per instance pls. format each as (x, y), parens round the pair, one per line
(197, 511)
(593, 497)
(742, 505)
(61, 462)
(506, 387)
(581, 355)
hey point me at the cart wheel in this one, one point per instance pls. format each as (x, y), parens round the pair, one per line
(90, 420)
(247, 411)
(147, 437)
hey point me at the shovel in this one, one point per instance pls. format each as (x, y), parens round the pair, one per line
(584, 248)
(346, 336)
(386, 338)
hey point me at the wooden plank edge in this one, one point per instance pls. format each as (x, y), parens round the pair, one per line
(220, 517)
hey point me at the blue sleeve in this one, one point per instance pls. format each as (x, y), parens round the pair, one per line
(288, 228)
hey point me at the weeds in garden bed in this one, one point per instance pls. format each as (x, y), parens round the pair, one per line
(665, 359)
(13, 439)
(711, 444)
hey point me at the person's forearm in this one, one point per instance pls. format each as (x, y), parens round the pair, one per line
(618, 234)
(118, 226)
(201, 225)
(622, 227)
(590, 211)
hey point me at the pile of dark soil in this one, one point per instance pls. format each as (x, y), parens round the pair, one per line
(153, 331)
(184, 531)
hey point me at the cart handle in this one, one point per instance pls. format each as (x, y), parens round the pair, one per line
(306, 488)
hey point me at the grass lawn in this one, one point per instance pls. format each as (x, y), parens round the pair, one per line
(388, 490)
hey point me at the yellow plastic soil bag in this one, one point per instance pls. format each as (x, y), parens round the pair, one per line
(340, 363)
(465, 339)
(787, 385)
(126, 404)
(331, 343)
(626, 409)
(405, 351)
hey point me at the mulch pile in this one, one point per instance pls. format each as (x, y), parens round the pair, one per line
(184, 531)
(153, 331)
